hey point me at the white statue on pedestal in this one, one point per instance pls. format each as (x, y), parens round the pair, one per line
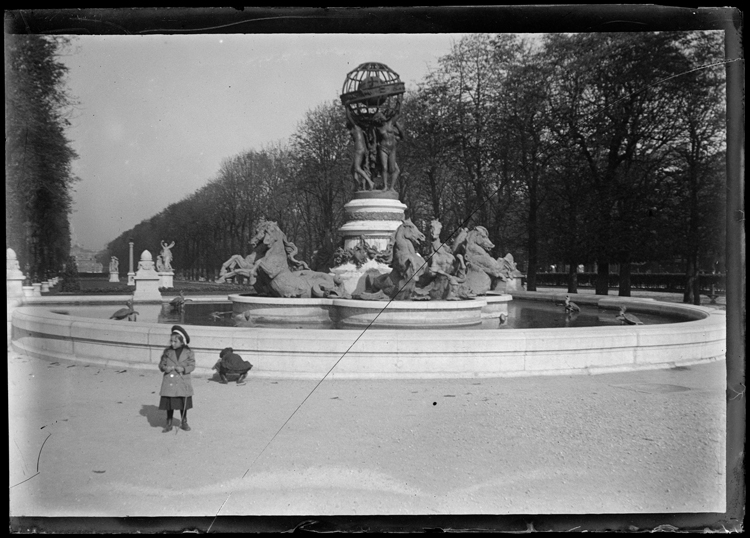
(166, 255)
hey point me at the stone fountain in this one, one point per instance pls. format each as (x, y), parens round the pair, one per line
(380, 282)
(380, 279)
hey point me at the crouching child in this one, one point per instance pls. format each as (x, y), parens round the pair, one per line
(230, 363)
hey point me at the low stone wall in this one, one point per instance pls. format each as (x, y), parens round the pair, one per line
(359, 314)
(385, 353)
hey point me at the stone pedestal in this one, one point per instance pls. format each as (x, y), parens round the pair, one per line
(28, 291)
(37, 289)
(131, 279)
(166, 280)
(13, 276)
(114, 277)
(146, 280)
(374, 216)
(45, 286)
(14, 287)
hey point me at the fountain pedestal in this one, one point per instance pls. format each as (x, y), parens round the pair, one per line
(372, 217)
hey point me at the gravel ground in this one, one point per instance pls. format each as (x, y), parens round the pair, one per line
(88, 441)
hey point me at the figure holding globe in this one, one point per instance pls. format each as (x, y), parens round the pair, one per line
(360, 163)
(388, 132)
(372, 96)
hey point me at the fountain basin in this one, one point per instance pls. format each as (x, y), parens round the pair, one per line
(280, 310)
(351, 313)
(409, 314)
(386, 353)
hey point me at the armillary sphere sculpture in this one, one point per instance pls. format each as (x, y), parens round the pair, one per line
(372, 96)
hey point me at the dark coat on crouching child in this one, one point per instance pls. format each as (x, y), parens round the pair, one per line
(231, 363)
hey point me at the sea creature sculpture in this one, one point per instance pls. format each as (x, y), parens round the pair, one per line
(627, 319)
(178, 303)
(126, 313)
(570, 306)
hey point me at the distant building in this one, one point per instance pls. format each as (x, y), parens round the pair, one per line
(85, 259)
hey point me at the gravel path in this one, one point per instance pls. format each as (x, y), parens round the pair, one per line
(88, 441)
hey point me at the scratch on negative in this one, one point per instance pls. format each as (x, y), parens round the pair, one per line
(37, 464)
(40, 453)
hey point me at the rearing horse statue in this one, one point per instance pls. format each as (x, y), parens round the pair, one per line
(406, 266)
(483, 271)
(238, 266)
(277, 270)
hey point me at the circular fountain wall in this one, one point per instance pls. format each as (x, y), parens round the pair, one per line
(358, 314)
(385, 353)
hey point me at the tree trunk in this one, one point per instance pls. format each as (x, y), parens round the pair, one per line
(602, 278)
(690, 281)
(572, 278)
(533, 247)
(434, 196)
(625, 276)
(531, 277)
(697, 289)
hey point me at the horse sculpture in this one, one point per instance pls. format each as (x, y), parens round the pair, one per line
(279, 274)
(238, 266)
(483, 272)
(406, 267)
(445, 277)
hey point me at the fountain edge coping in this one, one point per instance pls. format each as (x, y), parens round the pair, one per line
(388, 353)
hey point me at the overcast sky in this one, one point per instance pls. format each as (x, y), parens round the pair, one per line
(156, 115)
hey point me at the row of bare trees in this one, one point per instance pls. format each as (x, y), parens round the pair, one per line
(594, 149)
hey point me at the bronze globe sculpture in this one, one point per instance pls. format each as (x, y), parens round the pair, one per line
(370, 88)
(372, 96)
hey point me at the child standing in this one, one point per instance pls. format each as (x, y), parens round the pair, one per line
(176, 363)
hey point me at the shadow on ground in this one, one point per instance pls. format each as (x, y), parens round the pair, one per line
(155, 417)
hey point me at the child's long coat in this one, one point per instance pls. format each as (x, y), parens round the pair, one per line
(174, 384)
